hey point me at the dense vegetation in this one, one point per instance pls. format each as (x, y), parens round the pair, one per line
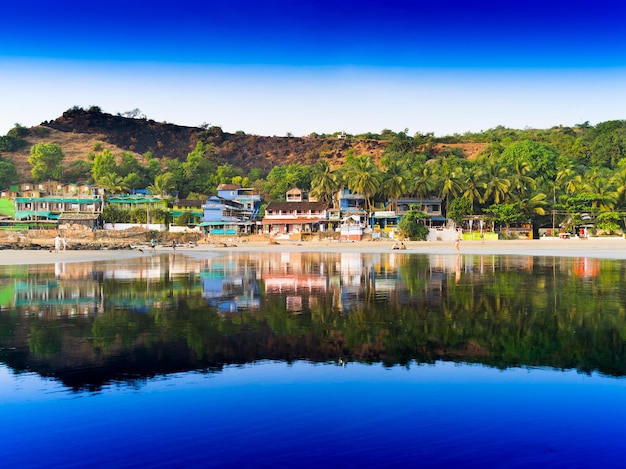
(521, 175)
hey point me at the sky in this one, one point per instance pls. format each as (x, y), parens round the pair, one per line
(279, 67)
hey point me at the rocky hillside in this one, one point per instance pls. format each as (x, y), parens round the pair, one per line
(77, 131)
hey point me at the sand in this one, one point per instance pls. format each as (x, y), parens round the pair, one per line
(613, 248)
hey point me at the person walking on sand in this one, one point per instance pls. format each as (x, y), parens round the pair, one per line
(153, 245)
(457, 242)
(57, 243)
(174, 245)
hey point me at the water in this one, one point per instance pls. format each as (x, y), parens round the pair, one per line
(309, 360)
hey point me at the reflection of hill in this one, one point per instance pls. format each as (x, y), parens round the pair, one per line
(494, 310)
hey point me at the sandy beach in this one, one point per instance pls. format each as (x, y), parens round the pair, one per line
(613, 248)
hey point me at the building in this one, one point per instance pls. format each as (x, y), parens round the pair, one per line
(296, 216)
(187, 208)
(249, 198)
(68, 210)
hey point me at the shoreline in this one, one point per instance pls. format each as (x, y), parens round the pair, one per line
(605, 248)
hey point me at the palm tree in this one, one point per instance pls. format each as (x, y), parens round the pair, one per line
(497, 185)
(325, 182)
(474, 184)
(569, 178)
(534, 204)
(363, 177)
(619, 180)
(112, 183)
(449, 181)
(521, 183)
(163, 184)
(602, 189)
(422, 182)
(395, 180)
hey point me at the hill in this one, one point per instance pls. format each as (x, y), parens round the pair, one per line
(77, 131)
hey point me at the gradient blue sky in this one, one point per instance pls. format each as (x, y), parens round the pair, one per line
(302, 66)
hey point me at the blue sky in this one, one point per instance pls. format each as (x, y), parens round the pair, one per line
(302, 66)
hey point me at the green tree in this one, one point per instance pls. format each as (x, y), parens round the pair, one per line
(422, 182)
(363, 177)
(8, 173)
(506, 214)
(459, 208)
(112, 183)
(412, 225)
(474, 185)
(325, 182)
(162, 185)
(497, 185)
(79, 171)
(542, 159)
(113, 214)
(395, 180)
(282, 178)
(47, 161)
(197, 170)
(608, 221)
(103, 165)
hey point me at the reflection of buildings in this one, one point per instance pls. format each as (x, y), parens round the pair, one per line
(85, 288)
(586, 267)
(301, 281)
(228, 288)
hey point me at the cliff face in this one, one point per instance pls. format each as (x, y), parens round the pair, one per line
(77, 131)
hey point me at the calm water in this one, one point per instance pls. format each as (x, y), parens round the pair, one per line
(314, 360)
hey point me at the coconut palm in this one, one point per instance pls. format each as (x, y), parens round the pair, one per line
(112, 183)
(497, 185)
(521, 183)
(449, 180)
(163, 184)
(569, 179)
(325, 182)
(534, 204)
(363, 177)
(421, 181)
(602, 189)
(474, 184)
(395, 178)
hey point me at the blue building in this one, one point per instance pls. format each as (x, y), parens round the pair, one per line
(233, 211)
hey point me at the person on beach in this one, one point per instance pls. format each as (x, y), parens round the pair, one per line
(57, 243)
(64, 240)
(457, 242)
(174, 245)
(153, 245)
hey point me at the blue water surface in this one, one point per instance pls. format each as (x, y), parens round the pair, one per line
(274, 414)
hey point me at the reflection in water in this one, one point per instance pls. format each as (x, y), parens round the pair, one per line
(88, 324)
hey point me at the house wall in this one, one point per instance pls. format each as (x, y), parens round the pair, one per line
(128, 226)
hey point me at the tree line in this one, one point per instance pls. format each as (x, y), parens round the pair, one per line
(519, 176)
